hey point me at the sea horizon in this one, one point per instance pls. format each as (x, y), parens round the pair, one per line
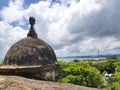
(80, 59)
(87, 57)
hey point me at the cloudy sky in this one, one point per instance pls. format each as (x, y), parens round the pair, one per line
(71, 27)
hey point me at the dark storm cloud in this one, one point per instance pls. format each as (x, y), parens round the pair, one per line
(99, 24)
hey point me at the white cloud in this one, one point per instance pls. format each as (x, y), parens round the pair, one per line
(72, 28)
(8, 36)
(14, 11)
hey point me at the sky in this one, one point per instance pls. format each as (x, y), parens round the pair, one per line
(71, 27)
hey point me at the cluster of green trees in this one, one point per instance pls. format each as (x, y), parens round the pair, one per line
(107, 65)
(79, 73)
(111, 66)
(91, 73)
(114, 81)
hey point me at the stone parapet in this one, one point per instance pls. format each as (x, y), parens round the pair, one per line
(46, 72)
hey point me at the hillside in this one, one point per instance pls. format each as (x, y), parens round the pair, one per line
(20, 83)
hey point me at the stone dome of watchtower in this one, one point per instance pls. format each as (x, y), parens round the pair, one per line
(30, 50)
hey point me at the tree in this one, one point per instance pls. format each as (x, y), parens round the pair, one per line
(79, 73)
(114, 81)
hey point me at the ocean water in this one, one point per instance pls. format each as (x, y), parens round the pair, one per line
(81, 59)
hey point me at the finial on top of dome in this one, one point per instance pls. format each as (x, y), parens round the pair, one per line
(32, 21)
(32, 33)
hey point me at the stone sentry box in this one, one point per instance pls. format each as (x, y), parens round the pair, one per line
(30, 57)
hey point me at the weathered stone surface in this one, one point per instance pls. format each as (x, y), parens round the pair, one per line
(30, 51)
(46, 72)
(19, 83)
